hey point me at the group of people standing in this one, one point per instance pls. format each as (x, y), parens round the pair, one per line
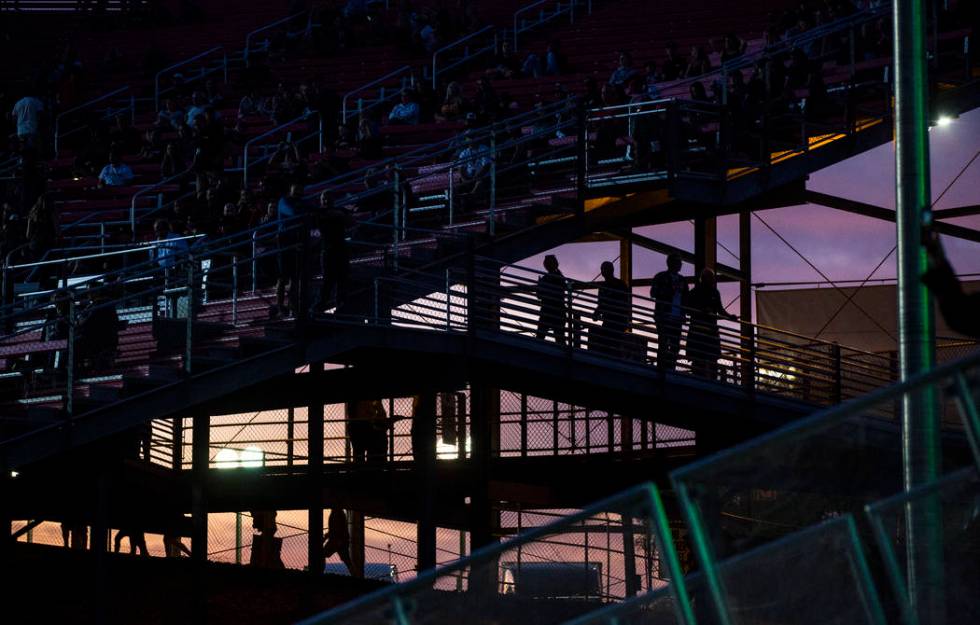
(674, 304)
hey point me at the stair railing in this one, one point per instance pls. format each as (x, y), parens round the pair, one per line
(252, 47)
(125, 103)
(209, 62)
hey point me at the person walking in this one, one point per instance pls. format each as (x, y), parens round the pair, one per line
(551, 294)
(669, 291)
(703, 339)
(612, 311)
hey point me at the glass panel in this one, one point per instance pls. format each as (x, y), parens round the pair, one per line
(947, 589)
(777, 583)
(826, 466)
(549, 574)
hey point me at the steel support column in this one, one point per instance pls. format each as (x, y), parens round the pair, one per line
(315, 474)
(424, 452)
(705, 244)
(920, 414)
(745, 299)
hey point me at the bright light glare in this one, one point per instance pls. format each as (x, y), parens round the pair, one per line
(252, 457)
(14, 474)
(450, 452)
(226, 459)
(944, 120)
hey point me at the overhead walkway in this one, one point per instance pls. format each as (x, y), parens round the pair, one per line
(175, 366)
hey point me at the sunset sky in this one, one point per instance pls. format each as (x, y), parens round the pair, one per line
(842, 245)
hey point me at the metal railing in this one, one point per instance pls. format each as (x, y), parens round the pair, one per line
(124, 93)
(294, 124)
(211, 66)
(514, 300)
(264, 45)
(403, 73)
(543, 15)
(831, 464)
(498, 580)
(464, 52)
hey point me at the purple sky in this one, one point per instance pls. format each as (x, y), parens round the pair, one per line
(842, 245)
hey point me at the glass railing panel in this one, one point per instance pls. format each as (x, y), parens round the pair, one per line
(549, 574)
(944, 588)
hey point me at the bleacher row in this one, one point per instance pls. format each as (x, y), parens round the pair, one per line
(607, 30)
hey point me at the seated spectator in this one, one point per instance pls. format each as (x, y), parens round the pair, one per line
(249, 105)
(732, 47)
(625, 72)
(171, 116)
(698, 63)
(531, 67)
(405, 112)
(650, 81)
(591, 97)
(554, 61)
(474, 158)
(116, 173)
(454, 106)
(173, 161)
(486, 103)
(505, 63)
(198, 106)
(368, 139)
(673, 66)
(123, 137)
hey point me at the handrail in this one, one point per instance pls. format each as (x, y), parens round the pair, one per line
(156, 78)
(141, 247)
(248, 37)
(454, 44)
(144, 191)
(401, 70)
(519, 26)
(298, 120)
(57, 120)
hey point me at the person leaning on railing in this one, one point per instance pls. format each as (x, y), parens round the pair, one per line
(703, 339)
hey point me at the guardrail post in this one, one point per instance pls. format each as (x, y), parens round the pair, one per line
(189, 335)
(492, 226)
(471, 312)
(581, 157)
(451, 192)
(835, 355)
(70, 359)
(234, 289)
(449, 309)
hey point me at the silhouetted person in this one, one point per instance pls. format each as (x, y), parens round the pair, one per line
(960, 310)
(137, 541)
(98, 332)
(289, 207)
(703, 340)
(266, 546)
(612, 311)
(74, 535)
(669, 290)
(551, 294)
(337, 538)
(423, 432)
(367, 428)
(334, 252)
